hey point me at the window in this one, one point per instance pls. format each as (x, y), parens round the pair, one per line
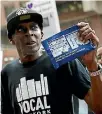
(69, 6)
(23, 3)
(8, 9)
(45, 22)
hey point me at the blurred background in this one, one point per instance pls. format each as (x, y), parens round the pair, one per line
(69, 13)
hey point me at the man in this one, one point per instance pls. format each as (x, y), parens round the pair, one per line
(31, 85)
(99, 55)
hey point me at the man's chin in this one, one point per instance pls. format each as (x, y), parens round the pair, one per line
(30, 53)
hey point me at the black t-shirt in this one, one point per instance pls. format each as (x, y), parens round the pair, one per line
(37, 88)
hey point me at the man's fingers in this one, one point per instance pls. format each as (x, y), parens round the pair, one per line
(86, 32)
(93, 31)
(91, 36)
(82, 24)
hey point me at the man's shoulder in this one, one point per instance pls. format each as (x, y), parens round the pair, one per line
(9, 65)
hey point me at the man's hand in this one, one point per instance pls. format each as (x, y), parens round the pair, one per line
(86, 33)
(94, 95)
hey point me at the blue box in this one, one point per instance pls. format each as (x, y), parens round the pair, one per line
(65, 46)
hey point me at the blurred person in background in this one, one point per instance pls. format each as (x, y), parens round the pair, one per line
(99, 55)
(31, 85)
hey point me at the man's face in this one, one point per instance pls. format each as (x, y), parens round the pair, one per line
(99, 54)
(27, 38)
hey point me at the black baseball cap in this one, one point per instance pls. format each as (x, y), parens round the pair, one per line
(22, 15)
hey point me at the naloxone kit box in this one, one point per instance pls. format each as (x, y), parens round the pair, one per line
(65, 46)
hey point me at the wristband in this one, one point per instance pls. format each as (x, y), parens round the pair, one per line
(98, 72)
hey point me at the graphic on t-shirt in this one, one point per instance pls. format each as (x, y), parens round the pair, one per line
(32, 96)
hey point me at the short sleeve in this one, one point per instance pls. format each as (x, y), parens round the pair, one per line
(80, 79)
(5, 98)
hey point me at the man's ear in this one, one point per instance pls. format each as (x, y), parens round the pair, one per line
(42, 34)
(12, 41)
